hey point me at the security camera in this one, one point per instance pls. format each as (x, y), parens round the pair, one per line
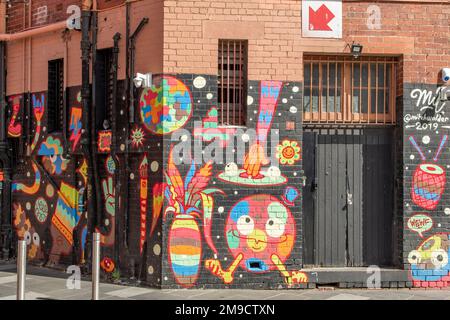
(143, 80)
(446, 74)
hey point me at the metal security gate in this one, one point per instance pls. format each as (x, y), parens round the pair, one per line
(348, 197)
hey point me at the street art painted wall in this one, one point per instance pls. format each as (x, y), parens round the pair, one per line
(214, 234)
(426, 209)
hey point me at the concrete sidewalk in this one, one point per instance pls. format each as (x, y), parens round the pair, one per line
(43, 284)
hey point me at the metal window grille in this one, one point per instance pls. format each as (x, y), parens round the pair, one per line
(232, 82)
(55, 95)
(342, 89)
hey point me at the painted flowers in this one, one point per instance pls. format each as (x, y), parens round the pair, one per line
(288, 152)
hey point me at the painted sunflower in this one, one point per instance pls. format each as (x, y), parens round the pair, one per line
(288, 152)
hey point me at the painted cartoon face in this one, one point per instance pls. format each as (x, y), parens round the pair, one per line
(430, 261)
(258, 227)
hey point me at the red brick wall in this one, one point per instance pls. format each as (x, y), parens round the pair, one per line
(42, 12)
(418, 30)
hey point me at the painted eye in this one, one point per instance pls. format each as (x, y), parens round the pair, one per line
(36, 239)
(439, 258)
(27, 237)
(275, 227)
(245, 225)
(414, 257)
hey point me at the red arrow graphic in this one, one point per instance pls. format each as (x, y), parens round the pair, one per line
(318, 20)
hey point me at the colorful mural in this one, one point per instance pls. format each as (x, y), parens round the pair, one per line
(251, 174)
(38, 111)
(26, 231)
(428, 180)
(210, 130)
(187, 200)
(260, 233)
(137, 137)
(143, 168)
(15, 126)
(288, 152)
(75, 126)
(166, 106)
(104, 141)
(429, 262)
(64, 220)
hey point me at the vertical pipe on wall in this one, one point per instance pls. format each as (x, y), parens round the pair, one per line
(93, 120)
(85, 101)
(5, 219)
(115, 132)
(127, 97)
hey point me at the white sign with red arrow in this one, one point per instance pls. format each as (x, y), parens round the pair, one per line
(322, 19)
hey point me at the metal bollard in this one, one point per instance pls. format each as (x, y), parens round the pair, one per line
(96, 266)
(21, 269)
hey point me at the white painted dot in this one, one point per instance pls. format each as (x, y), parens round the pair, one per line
(240, 276)
(44, 129)
(250, 100)
(28, 206)
(132, 176)
(245, 137)
(293, 109)
(295, 89)
(411, 157)
(165, 278)
(106, 222)
(284, 100)
(447, 211)
(154, 166)
(279, 114)
(28, 174)
(121, 112)
(218, 237)
(295, 174)
(225, 259)
(235, 192)
(439, 225)
(122, 147)
(198, 101)
(406, 168)
(209, 96)
(251, 119)
(184, 138)
(157, 249)
(251, 87)
(255, 112)
(220, 209)
(199, 82)
(150, 270)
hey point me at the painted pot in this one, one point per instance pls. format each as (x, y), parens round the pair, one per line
(185, 250)
(428, 185)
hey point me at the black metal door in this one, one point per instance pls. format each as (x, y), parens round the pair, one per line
(348, 197)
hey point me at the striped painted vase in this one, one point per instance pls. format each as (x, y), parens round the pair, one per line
(185, 250)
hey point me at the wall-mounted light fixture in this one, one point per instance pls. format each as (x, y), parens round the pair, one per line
(356, 50)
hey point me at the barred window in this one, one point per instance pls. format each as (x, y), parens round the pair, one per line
(55, 95)
(232, 82)
(342, 89)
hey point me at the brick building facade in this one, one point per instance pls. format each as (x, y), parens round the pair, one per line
(357, 148)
